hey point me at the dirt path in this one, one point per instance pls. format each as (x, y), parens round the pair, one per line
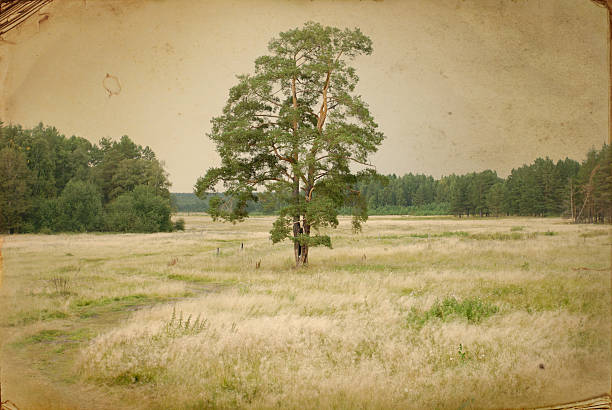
(22, 386)
(49, 383)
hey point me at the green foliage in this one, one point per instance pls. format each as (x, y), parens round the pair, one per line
(462, 353)
(473, 310)
(189, 202)
(58, 336)
(179, 224)
(139, 211)
(14, 190)
(45, 215)
(495, 198)
(502, 236)
(80, 207)
(293, 129)
(122, 165)
(593, 196)
(539, 189)
(141, 376)
(50, 183)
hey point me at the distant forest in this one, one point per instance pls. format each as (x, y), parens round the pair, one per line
(580, 191)
(50, 183)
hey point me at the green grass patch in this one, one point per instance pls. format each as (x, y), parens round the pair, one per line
(191, 278)
(69, 268)
(446, 234)
(110, 300)
(419, 235)
(508, 291)
(86, 308)
(474, 310)
(501, 236)
(56, 336)
(140, 376)
(44, 336)
(517, 228)
(424, 235)
(369, 267)
(36, 316)
(203, 279)
(549, 295)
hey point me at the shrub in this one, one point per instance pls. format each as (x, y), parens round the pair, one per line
(141, 210)
(179, 224)
(474, 310)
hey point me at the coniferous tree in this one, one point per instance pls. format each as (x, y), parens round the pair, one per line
(294, 128)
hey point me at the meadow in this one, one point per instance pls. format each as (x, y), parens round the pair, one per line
(414, 312)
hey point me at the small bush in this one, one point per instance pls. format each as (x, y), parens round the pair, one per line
(179, 224)
(474, 310)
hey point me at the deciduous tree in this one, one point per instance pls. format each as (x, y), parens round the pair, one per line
(14, 190)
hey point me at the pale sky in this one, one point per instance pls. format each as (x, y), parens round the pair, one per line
(456, 85)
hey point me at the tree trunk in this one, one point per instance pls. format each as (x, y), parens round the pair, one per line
(296, 219)
(304, 253)
(573, 209)
(296, 244)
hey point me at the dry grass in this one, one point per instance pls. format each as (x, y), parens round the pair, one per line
(412, 313)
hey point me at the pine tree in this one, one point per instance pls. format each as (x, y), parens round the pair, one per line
(294, 128)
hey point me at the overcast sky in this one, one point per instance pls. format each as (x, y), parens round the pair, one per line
(456, 86)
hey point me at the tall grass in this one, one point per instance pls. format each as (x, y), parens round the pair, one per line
(412, 313)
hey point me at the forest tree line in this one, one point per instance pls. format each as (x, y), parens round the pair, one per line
(580, 191)
(51, 183)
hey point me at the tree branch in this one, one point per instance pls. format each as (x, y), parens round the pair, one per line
(267, 99)
(317, 177)
(361, 162)
(279, 156)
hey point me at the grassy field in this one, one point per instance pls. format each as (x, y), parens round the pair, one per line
(425, 312)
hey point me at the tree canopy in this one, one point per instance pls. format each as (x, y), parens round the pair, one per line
(50, 183)
(294, 128)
